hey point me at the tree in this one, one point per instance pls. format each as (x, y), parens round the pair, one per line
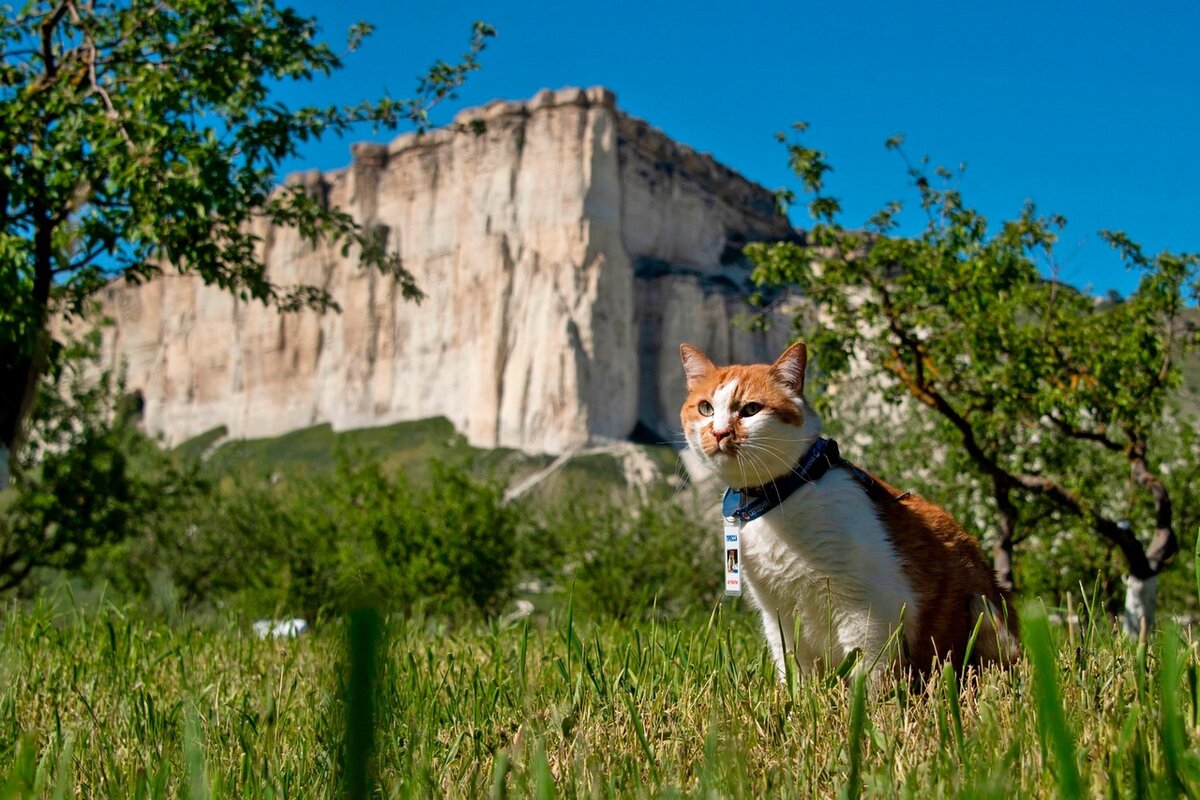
(89, 477)
(1054, 396)
(137, 133)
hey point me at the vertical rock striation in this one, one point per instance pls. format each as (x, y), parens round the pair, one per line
(564, 254)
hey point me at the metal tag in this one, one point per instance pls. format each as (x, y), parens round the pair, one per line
(732, 547)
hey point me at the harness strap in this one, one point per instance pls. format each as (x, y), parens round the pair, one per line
(751, 503)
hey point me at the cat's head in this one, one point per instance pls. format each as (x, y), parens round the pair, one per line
(748, 424)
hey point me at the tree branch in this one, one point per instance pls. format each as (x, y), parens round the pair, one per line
(97, 88)
(1135, 554)
(1130, 546)
(1164, 545)
(1090, 436)
(47, 30)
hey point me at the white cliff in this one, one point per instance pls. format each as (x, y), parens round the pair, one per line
(564, 254)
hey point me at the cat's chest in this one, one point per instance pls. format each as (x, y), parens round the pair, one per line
(825, 535)
(779, 550)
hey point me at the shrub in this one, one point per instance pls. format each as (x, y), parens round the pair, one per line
(87, 477)
(327, 543)
(629, 561)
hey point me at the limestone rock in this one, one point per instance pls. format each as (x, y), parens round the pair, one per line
(564, 254)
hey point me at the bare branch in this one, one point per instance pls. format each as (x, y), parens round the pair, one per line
(49, 24)
(1091, 436)
(1164, 545)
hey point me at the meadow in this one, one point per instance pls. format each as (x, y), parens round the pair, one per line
(139, 674)
(109, 703)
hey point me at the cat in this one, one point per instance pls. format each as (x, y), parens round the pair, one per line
(844, 562)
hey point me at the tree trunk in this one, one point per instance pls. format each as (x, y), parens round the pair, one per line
(1002, 551)
(1164, 545)
(15, 375)
(19, 375)
(1141, 592)
(21, 369)
(1137, 617)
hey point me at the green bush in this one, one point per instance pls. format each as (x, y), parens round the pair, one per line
(331, 542)
(628, 561)
(109, 509)
(87, 478)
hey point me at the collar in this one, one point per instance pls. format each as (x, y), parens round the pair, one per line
(751, 503)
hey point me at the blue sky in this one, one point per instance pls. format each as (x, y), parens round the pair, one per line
(1091, 110)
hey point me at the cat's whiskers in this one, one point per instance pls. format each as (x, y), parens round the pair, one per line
(757, 462)
(794, 469)
(780, 455)
(767, 441)
(774, 451)
(761, 473)
(681, 478)
(742, 468)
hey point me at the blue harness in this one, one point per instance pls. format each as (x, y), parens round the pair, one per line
(751, 503)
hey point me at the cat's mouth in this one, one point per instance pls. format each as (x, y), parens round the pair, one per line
(725, 447)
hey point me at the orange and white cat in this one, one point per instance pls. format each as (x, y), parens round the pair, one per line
(844, 561)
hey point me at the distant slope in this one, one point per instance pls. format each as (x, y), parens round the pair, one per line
(409, 448)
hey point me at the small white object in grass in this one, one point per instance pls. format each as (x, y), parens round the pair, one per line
(280, 628)
(524, 609)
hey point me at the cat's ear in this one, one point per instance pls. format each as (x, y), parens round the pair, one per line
(789, 367)
(696, 365)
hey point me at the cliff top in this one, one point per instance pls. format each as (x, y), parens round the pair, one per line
(649, 140)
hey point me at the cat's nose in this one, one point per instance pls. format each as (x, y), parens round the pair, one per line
(720, 434)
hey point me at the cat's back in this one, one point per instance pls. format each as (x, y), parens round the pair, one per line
(929, 539)
(952, 580)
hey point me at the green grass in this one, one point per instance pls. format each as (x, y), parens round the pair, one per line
(105, 704)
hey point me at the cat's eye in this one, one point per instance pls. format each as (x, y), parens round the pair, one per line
(705, 408)
(750, 409)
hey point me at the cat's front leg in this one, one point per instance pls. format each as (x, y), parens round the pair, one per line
(875, 640)
(779, 627)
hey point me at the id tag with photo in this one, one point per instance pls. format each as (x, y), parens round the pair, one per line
(732, 547)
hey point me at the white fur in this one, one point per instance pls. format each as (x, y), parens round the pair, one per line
(722, 414)
(824, 560)
(821, 568)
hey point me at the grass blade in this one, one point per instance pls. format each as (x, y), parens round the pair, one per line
(543, 778)
(1051, 719)
(1197, 564)
(950, 687)
(193, 759)
(858, 723)
(500, 778)
(363, 637)
(1178, 758)
(640, 731)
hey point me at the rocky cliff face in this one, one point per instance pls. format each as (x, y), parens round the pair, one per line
(564, 254)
